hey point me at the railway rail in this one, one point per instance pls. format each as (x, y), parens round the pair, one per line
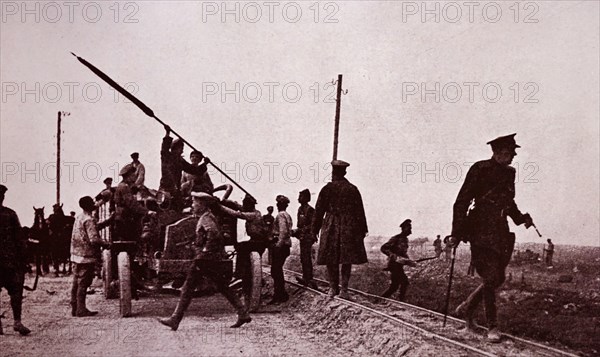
(428, 323)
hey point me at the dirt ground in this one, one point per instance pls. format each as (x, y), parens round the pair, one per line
(203, 332)
(532, 303)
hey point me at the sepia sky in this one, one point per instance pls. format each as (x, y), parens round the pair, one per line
(249, 84)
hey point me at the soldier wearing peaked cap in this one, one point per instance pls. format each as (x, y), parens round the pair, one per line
(210, 261)
(12, 261)
(340, 217)
(490, 185)
(306, 237)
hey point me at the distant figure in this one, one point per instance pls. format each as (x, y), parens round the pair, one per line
(396, 249)
(437, 245)
(268, 218)
(140, 171)
(59, 241)
(12, 261)
(490, 184)
(340, 217)
(85, 249)
(282, 229)
(447, 248)
(305, 236)
(549, 253)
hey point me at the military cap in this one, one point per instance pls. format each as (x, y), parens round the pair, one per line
(305, 192)
(86, 203)
(405, 223)
(249, 199)
(176, 143)
(108, 180)
(203, 196)
(3, 189)
(507, 141)
(127, 170)
(135, 155)
(339, 163)
(282, 199)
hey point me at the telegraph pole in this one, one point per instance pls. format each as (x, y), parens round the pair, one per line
(58, 130)
(338, 104)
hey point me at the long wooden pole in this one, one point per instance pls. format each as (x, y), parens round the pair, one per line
(58, 159)
(336, 129)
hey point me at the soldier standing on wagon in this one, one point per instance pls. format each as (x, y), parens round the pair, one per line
(491, 185)
(12, 261)
(340, 216)
(140, 171)
(210, 261)
(172, 165)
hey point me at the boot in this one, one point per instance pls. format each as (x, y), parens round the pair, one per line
(184, 301)
(18, 326)
(241, 320)
(86, 313)
(333, 275)
(346, 270)
(494, 335)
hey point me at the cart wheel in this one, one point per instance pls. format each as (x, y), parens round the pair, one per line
(256, 269)
(124, 284)
(107, 275)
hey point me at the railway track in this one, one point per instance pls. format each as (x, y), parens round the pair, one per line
(429, 324)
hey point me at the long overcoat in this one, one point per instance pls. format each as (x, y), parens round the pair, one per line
(340, 216)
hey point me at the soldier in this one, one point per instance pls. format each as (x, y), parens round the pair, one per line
(127, 219)
(85, 250)
(340, 216)
(12, 261)
(306, 237)
(59, 243)
(396, 249)
(196, 183)
(140, 171)
(437, 246)
(549, 250)
(210, 261)
(491, 185)
(172, 164)
(256, 230)
(282, 230)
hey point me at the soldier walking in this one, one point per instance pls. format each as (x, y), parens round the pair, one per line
(491, 185)
(397, 251)
(210, 261)
(306, 237)
(12, 261)
(340, 217)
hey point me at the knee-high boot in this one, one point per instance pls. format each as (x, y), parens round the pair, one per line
(333, 274)
(187, 293)
(346, 272)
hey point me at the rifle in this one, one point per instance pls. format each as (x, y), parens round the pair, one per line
(449, 285)
(424, 259)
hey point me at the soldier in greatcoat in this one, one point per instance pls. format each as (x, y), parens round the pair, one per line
(490, 187)
(340, 218)
(12, 261)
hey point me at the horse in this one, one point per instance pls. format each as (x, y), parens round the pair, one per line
(38, 242)
(61, 227)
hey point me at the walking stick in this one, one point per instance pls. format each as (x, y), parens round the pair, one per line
(449, 286)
